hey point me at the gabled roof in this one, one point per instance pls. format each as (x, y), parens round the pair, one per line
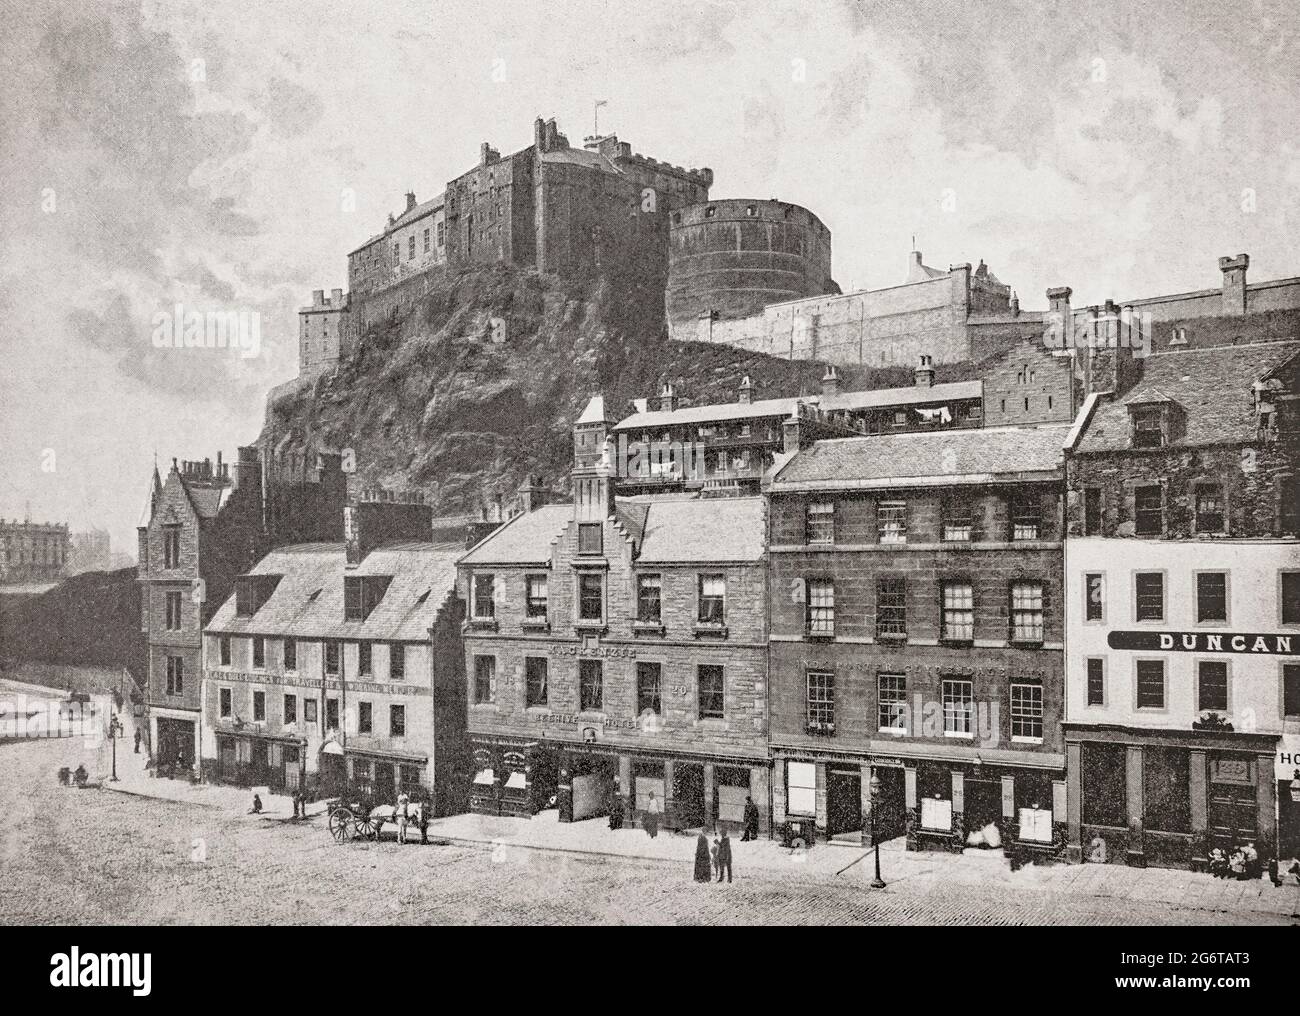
(525, 539)
(928, 458)
(1211, 385)
(308, 601)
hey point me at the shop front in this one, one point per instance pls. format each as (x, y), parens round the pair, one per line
(1170, 799)
(383, 775)
(175, 741)
(1286, 771)
(255, 759)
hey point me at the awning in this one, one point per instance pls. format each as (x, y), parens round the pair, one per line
(388, 753)
(517, 781)
(485, 776)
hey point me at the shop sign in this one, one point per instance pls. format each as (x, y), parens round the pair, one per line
(1199, 642)
(574, 719)
(594, 651)
(1287, 759)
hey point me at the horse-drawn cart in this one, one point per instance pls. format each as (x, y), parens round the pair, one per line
(358, 816)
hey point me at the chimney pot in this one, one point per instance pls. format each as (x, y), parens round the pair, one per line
(925, 371)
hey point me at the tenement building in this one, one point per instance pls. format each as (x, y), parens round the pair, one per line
(202, 526)
(339, 666)
(917, 634)
(616, 647)
(33, 551)
(1183, 570)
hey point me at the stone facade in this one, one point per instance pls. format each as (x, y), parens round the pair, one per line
(33, 551)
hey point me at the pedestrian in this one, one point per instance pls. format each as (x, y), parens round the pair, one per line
(137, 742)
(616, 811)
(652, 812)
(724, 855)
(703, 863)
(403, 807)
(714, 853)
(257, 804)
(751, 821)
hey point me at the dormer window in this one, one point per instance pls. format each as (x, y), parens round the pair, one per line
(362, 593)
(252, 592)
(1148, 426)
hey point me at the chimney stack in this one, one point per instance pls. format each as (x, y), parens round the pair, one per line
(1234, 283)
(925, 371)
(532, 493)
(667, 398)
(318, 297)
(746, 391)
(410, 200)
(831, 381)
(336, 297)
(381, 517)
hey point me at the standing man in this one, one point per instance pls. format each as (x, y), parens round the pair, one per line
(751, 821)
(724, 855)
(652, 812)
(137, 740)
(403, 804)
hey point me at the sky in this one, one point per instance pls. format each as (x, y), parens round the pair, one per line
(226, 156)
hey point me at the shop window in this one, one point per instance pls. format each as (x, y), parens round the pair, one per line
(957, 620)
(223, 702)
(1211, 597)
(259, 707)
(891, 521)
(1165, 799)
(1027, 712)
(1149, 596)
(290, 654)
(537, 597)
(1033, 802)
(891, 703)
(648, 591)
(958, 707)
(397, 721)
(535, 681)
(934, 788)
(711, 691)
(591, 597)
(891, 608)
(801, 788)
(957, 521)
(648, 689)
(365, 665)
(821, 702)
(1212, 685)
(1150, 684)
(712, 597)
(485, 672)
(1094, 596)
(820, 621)
(1102, 779)
(1027, 612)
(591, 694)
(396, 661)
(819, 523)
(365, 718)
(1096, 677)
(1149, 510)
(1209, 508)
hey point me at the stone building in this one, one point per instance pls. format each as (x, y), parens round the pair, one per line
(33, 551)
(916, 615)
(339, 665)
(320, 332)
(617, 646)
(1183, 568)
(202, 527)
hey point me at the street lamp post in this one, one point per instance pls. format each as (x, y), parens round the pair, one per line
(874, 787)
(114, 729)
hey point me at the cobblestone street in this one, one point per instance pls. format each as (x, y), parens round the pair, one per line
(96, 856)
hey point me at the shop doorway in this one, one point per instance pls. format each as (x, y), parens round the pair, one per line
(385, 783)
(332, 771)
(259, 764)
(843, 801)
(891, 814)
(688, 795)
(1232, 809)
(175, 746)
(983, 807)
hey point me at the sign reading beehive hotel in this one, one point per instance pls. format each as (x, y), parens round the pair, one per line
(1199, 642)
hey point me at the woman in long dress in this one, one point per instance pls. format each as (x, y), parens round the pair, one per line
(703, 860)
(651, 819)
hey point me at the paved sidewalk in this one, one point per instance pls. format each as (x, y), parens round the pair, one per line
(917, 871)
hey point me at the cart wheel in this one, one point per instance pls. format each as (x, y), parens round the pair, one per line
(339, 822)
(368, 827)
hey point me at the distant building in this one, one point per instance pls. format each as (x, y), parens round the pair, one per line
(320, 331)
(91, 551)
(33, 552)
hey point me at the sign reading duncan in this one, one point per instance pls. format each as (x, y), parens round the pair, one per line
(1199, 642)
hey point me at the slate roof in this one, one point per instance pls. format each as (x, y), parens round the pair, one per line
(207, 501)
(926, 458)
(308, 601)
(904, 396)
(1211, 386)
(663, 531)
(656, 419)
